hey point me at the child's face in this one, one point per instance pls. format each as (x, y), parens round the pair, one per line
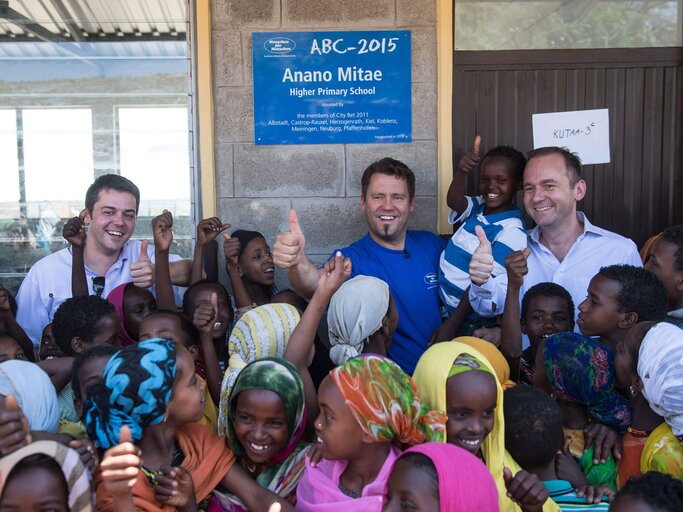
(630, 504)
(256, 262)
(35, 489)
(662, 263)
(187, 401)
(546, 316)
(261, 424)
(10, 349)
(470, 406)
(107, 331)
(137, 304)
(410, 488)
(624, 365)
(599, 312)
(163, 326)
(340, 435)
(497, 183)
(48, 346)
(90, 373)
(224, 315)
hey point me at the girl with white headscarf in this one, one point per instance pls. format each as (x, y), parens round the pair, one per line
(361, 318)
(660, 368)
(34, 392)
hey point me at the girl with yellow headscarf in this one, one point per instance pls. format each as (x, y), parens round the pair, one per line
(471, 375)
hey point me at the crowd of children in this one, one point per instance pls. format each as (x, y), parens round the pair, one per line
(233, 402)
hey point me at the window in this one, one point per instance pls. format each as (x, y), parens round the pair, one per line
(566, 24)
(89, 87)
(153, 153)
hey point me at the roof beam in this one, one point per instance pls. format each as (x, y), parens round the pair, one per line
(76, 33)
(27, 24)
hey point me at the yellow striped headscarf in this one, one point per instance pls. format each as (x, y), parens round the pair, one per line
(77, 477)
(261, 332)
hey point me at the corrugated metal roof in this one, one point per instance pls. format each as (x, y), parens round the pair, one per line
(92, 20)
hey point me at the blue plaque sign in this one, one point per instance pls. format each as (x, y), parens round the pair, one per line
(332, 87)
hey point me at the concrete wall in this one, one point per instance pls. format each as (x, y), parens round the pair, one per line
(257, 185)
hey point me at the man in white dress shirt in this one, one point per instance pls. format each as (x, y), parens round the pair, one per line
(566, 248)
(111, 258)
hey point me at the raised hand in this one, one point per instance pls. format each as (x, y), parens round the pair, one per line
(481, 264)
(142, 271)
(336, 271)
(87, 453)
(289, 246)
(209, 229)
(231, 249)
(595, 493)
(14, 429)
(205, 314)
(120, 465)
(604, 440)
(470, 159)
(515, 264)
(74, 229)
(525, 489)
(174, 487)
(567, 468)
(162, 230)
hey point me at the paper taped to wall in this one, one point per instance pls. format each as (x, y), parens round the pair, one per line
(585, 132)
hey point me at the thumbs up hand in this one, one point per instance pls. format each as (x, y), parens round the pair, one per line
(481, 264)
(120, 465)
(231, 249)
(470, 159)
(162, 230)
(515, 264)
(209, 229)
(289, 246)
(205, 314)
(526, 490)
(14, 429)
(74, 229)
(142, 271)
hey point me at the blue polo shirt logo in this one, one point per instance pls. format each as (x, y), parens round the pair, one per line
(432, 280)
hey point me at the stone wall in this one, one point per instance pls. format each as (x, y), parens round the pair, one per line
(257, 185)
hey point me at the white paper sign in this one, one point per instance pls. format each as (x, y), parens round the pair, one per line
(585, 132)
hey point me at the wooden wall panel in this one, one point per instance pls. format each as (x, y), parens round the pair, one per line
(641, 191)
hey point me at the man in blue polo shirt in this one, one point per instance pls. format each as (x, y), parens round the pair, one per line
(407, 261)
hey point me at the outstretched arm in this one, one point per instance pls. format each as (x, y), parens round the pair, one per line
(511, 330)
(207, 231)
(252, 494)
(119, 469)
(162, 229)
(456, 199)
(231, 249)
(487, 293)
(300, 345)
(203, 319)
(446, 331)
(74, 233)
(288, 253)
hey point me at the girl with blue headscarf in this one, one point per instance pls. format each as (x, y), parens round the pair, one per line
(150, 390)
